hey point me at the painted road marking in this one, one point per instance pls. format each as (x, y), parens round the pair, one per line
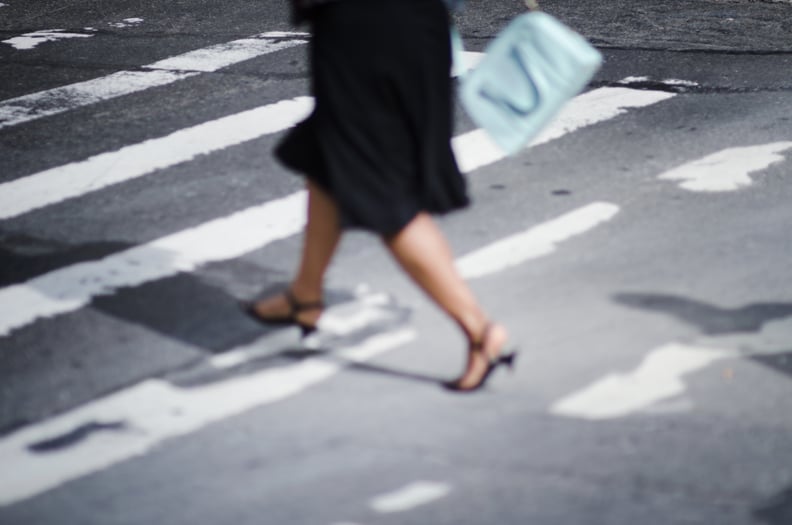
(150, 412)
(476, 149)
(671, 82)
(214, 58)
(100, 171)
(727, 170)
(31, 40)
(413, 495)
(127, 22)
(473, 150)
(657, 378)
(535, 242)
(61, 99)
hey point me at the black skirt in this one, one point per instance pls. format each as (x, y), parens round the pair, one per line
(378, 140)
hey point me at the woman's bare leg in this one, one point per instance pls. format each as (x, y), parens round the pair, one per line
(320, 239)
(422, 251)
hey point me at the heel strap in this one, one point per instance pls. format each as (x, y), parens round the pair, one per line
(297, 306)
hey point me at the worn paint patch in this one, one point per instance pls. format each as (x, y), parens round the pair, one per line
(729, 169)
(658, 378)
(31, 40)
(413, 495)
(127, 22)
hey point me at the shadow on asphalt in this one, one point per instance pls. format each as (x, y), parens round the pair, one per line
(723, 324)
(76, 436)
(193, 310)
(206, 375)
(24, 257)
(279, 350)
(710, 319)
(329, 351)
(777, 510)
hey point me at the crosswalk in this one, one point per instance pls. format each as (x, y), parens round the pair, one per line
(155, 410)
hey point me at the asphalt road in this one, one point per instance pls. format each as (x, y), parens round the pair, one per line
(642, 271)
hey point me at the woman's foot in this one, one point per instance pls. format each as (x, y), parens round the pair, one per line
(484, 355)
(287, 308)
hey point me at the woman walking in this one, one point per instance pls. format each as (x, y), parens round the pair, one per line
(376, 155)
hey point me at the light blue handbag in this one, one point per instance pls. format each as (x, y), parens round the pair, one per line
(531, 69)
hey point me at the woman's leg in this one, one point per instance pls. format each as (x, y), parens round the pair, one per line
(320, 239)
(422, 251)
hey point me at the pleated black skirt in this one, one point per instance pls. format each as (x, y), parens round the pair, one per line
(378, 140)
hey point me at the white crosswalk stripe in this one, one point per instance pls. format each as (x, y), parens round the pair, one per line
(61, 99)
(100, 171)
(535, 242)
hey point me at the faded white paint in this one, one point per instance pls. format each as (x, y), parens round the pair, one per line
(217, 57)
(678, 82)
(658, 378)
(31, 40)
(535, 242)
(475, 149)
(153, 411)
(127, 22)
(100, 171)
(729, 169)
(631, 80)
(668, 82)
(61, 99)
(413, 495)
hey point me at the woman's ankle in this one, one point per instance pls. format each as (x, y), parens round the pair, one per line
(306, 293)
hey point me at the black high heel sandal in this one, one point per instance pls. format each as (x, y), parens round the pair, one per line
(295, 308)
(506, 359)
